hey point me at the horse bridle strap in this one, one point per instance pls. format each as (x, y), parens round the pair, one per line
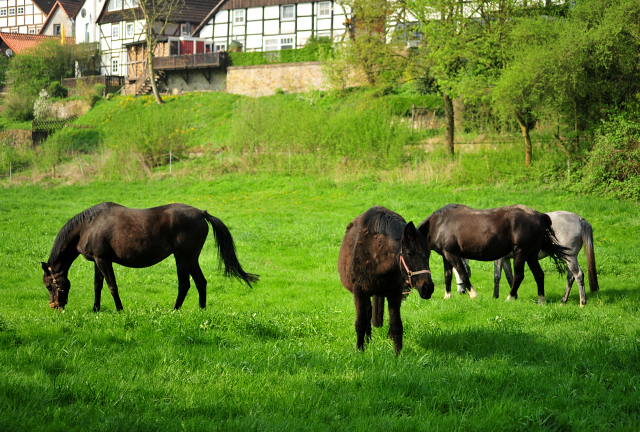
(55, 282)
(410, 273)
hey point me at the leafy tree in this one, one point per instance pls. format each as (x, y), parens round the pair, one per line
(35, 69)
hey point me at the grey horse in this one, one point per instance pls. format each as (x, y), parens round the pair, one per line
(572, 232)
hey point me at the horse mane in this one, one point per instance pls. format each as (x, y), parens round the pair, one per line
(379, 220)
(85, 216)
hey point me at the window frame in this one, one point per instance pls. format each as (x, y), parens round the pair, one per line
(11, 11)
(126, 30)
(218, 45)
(292, 42)
(57, 29)
(272, 39)
(115, 35)
(115, 61)
(239, 17)
(185, 29)
(325, 15)
(19, 10)
(282, 9)
(3, 12)
(31, 31)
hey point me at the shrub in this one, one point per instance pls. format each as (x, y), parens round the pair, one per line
(19, 107)
(613, 166)
(57, 90)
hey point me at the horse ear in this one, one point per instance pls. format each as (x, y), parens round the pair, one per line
(410, 230)
(424, 228)
(45, 267)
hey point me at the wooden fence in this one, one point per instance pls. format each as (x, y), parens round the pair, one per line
(112, 83)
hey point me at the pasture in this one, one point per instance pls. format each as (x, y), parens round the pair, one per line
(282, 356)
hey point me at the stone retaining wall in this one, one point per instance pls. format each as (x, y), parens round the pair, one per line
(16, 137)
(263, 80)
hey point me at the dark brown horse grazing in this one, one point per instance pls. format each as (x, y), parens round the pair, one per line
(109, 233)
(457, 231)
(382, 255)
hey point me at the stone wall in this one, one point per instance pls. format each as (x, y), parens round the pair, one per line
(16, 137)
(197, 80)
(263, 80)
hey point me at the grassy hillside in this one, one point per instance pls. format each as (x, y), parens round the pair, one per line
(282, 356)
(362, 134)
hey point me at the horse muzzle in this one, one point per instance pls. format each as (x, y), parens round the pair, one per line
(425, 288)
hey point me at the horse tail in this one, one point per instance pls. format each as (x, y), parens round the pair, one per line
(550, 245)
(587, 239)
(227, 251)
(377, 314)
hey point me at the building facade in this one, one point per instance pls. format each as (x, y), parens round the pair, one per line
(23, 16)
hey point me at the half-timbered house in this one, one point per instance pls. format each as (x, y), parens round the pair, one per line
(61, 18)
(270, 25)
(24, 16)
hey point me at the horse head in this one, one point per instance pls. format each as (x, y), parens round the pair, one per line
(414, 260)
(58, 286)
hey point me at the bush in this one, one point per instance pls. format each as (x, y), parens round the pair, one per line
(19, 107)
(613, 166)
(57, 90)
(99, 89)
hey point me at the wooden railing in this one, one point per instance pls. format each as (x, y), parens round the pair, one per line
(191, 61)
(109, 81)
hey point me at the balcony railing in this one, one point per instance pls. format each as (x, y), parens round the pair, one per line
(191, 61)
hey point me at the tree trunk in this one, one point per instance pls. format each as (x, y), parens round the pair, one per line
(152, 74)
(528, 149)
(449, 123)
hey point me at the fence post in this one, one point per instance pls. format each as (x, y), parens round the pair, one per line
(81, 170)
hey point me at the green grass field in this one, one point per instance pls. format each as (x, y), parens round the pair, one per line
(282, 356)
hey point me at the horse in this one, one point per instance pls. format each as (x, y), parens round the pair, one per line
(109, 233)
(573, 232)
(384, 256)
(457, 231)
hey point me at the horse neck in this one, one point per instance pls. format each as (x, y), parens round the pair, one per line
(68, 252)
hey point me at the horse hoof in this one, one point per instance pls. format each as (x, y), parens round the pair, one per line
(447, 296)
(473, 293)
(541, 300)
(582, 304)
(509, 298)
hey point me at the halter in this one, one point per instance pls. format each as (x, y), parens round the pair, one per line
(57, 287)
(410, 273)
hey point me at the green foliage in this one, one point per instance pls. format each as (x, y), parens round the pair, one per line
(36, 69)
(613, 166)
(56, 90)
(316, 51)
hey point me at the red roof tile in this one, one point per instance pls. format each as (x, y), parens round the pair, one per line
(20, 42)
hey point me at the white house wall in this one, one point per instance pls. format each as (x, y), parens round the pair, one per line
(115, 48)
(87, 30)
(266, 24)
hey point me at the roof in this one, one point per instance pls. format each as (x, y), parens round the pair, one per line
(20, 42)
(193, 11)
(243, 4)
(45, 5)
(69, 7)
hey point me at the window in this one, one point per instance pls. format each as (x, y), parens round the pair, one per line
(324, 9)
(286, 43)
(32, 31)
(56, 30)
(130, 4)
(129, 30)
(114, 66)
(86, 32)
(221, 47)
(115, 5)
(20, 10)
(12, 11)
(288, 12)
(238, 16)
(115, 31)
(3, 12)
(271, 44)
(173, 48)
(185, 29)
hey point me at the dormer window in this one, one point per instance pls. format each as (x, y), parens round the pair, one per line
(185, 29)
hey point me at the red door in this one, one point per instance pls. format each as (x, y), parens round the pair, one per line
(199, 47)
(186, 47)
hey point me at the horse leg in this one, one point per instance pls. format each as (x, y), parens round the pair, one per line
(506, 266)
(447, 278)
(98, 280)
(518, 276)
(462, 272)
(538, 275)
(395, 322)
(575, 273)
(377, 314)
(497, 275)
(363, 319)
(106, 267)
(183, 281)
(461, 288)
(201, 283)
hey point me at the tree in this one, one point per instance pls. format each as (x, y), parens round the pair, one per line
(155, 16)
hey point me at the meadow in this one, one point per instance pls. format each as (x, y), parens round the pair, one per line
(282, 356)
